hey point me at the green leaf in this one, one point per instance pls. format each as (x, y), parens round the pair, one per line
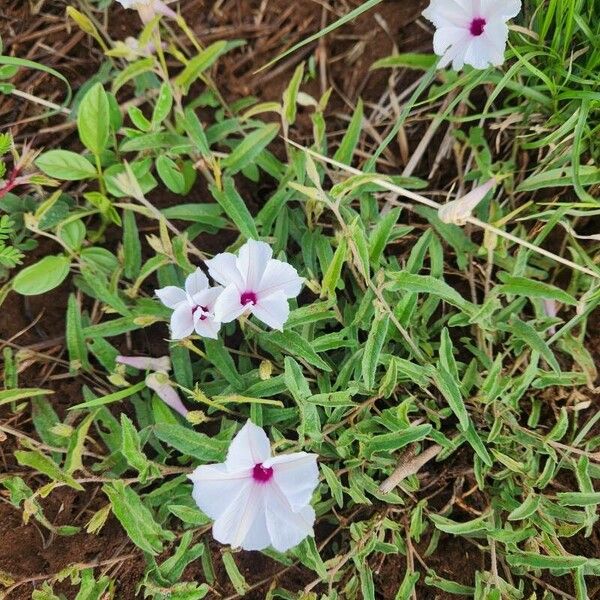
(235, 208)
(8, 396)
(170, 174)
(191, 443)
(296, 345)
(74, 337)
(372, 352)
(334, 270)
(42, 276)
(93, 120)
(526, 509)
(290, 95)
(390, 442)
(350, 140)
(136, 518)
(249, 148)
(42, 463)
(521, 286)
(219, 356)
(449, 386)
(421, 62)
(236, 578)
(163, 105)
(534, 341)
(65, 165)
(200, 63)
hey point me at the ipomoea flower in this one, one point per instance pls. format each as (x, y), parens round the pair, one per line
(255, 283)
(193, 307)
(258, 500)
(458, 211)
(148, 9)
(471, 31)
(158, 380)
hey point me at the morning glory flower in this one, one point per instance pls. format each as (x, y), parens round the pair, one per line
(255, 284)
(193, 307)
(158, 379)
(255, 499)
(148, 9)
(472, 32)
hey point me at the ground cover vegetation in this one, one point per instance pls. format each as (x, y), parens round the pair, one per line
(299, 301)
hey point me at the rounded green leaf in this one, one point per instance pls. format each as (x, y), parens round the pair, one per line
(42, 276)
(93, 119)
(65, 165)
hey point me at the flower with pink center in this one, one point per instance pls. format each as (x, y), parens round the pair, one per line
(255, 284)
(148, 9)
(193, 307)
(472, 32)
(258, 500)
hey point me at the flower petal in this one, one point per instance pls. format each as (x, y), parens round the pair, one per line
(505, 10)
(208, 297)
(273, 310)
(196, 282)
(182, 321)
(215, 486)
(249, 447)
(223, 269)
(296, 475)
(146, 363)
(286, 527)
(253, 260)
(449, 12)
(280, 276)
(159, 383)
(171, 296)
(447, 37)
(207, 328)
(228, 306)
(238, 520)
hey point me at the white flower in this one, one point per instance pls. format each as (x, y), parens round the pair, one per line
(254, 284)
(148, 9)
(471, 31)
(258, 500)
(458, 211)
(193, 307)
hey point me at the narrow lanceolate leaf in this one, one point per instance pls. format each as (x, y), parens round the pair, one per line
(425, 284)
(334, 270)
(74, 336)
(535, 560)
(191, 443)
(8, 396)
(534, 341)
(350, 140)
(235, 208)
(526, 509)
(249, 148)
(200, 63)
(380, 235)
(290, 96)
(218, 355)
(450, 389)
(132, 246)
(373, 347)
(296, 345)
(93, 120)
(136, 518)
(390, 442)
(522, 286)
(44, 464)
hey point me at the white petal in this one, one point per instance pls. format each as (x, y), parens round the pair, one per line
(182, 321)
(446, 37)
(234, 524)
(207, 328)
(257, 537)
(479, 53)
(273, 310)
(252, 262)
(249, 447)
(208, 297)
(171, 296)
(196, 282)
(505, 10)
(228, 306)
(296, 475)
(280, 276)
(286, 527)
(215, 487)
(458, 211)
(495, 37)
(223, 269)
(449, 12)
